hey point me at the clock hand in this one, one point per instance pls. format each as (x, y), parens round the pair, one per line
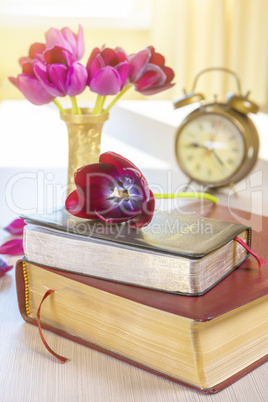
(193, 144)
(213, 136)
(216, 156)
(196, 145)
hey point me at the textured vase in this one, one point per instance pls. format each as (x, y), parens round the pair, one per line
(84, 137)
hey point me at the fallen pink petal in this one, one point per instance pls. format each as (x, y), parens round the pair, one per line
(15, 228)
(4, 267)
(12, 247)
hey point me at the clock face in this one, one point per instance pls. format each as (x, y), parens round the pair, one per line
(210, 148)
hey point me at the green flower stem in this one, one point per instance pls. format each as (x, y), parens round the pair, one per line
(205, 196)
(75, 108)
(57, 103)
(118, 96)
(102, 102)
(99, 104)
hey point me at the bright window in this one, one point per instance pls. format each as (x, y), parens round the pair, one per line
(96, 13)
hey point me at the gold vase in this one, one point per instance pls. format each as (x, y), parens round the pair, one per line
(84, 137)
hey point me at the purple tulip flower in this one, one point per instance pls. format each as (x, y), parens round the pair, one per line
(148, 73)
(30, 86)
(66, 39)
(113, 190)
(107, 70)
(60, 74)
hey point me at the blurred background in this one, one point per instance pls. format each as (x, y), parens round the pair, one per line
(192, 34)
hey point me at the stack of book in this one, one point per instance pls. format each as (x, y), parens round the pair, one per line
(166, 298)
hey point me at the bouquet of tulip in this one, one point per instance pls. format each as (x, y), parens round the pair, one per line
(113, 190)
(52, 70)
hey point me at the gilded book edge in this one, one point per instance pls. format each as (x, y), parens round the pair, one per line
(22, 287)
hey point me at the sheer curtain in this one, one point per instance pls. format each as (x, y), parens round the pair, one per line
(196, 34)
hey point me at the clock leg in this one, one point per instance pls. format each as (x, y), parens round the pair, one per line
(232, 186)
(187, 185)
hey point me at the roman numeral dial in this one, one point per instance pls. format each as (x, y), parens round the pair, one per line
(210, 148)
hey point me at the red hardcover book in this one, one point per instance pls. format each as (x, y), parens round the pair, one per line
(204, 342)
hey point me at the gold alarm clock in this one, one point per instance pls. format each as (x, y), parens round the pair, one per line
(217, 144)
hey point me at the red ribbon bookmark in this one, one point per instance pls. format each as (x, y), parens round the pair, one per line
(61, 359)
(258, 258)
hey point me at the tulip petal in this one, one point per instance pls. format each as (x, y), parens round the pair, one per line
(119, 162)
(12, 247)
(59, 55)
(70, 39)
(158, 59)
(75, 204)
(95, 65)
(138, 63)
(35, 49)
(95, 173)
(15, 228)
(156, 89)
(109, 57)
(27, 68)
(42, 75)
(23, 60)
(80, 49)
(66, 39)
(57, 74)
(76, 79)
(4, 267)
(145, 217)
(106, 81)
(96, 182)
(169, 74)
(54, 37)
(123, 71)
(33, 90)
(92, 56)
(121, 55)
(153, 76)
(13, 81)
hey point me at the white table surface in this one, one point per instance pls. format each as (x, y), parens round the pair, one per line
(27, 372)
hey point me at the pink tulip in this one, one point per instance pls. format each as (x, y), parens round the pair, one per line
(66, 39)
(60, 74)
(30, 86)
(35, 52)
(148, 73)
(107, 71)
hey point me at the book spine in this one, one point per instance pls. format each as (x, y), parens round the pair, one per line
(27, 294)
